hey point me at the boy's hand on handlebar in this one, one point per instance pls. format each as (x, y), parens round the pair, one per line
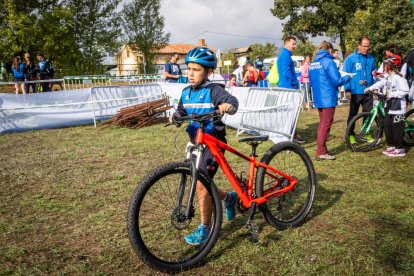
(226, 108)
(172, 120)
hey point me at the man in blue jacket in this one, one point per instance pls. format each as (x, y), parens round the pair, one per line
(325, 80)
(286, 68)
(362, 64)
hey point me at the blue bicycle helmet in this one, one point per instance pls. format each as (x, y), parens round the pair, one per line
(203, 56)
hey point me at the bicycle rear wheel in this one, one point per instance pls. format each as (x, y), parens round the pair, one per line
(408, 138)
(366, 134)
(157, 223)
(291, 208)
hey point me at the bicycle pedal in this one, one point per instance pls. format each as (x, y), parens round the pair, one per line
(254, 231)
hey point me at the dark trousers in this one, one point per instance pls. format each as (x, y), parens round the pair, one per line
(358, 100)
(394, 130)
(28, 85)
(326, 116)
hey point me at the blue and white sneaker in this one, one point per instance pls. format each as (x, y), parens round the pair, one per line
(199, 236)
(230, 205)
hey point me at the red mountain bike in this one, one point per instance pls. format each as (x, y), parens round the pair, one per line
(164, 207)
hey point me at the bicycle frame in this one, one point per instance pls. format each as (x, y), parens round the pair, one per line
(366, 127)
(247, 198)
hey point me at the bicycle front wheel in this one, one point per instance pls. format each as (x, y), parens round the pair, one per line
(157, 222)
(367, 131)
(291, 208)
(408, 138)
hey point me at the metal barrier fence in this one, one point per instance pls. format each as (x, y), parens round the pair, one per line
(107, 100)
(272, 111)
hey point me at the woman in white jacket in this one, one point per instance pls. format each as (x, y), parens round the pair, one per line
(396, 88)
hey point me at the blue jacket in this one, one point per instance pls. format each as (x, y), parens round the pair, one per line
(325, 79)
(362, 65)
(286, 68)
(205, 98)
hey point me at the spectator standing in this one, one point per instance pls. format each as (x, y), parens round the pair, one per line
(304, 70)
(325, 80)
(18, 75)
(30, 73)
(287, 74)
(238, 72)
(258, 63)
(172, 70)
(336, 60)
(362, 64)
(43, 68)
(251, 77)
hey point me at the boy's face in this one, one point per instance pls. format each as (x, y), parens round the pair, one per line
(196, 73)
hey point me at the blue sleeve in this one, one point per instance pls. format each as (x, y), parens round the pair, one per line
(167, 68)
(334, 75)
(219, 95)
(347, 68)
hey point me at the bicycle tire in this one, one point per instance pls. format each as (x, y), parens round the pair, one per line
(357, 123)
(155, 239)
(286, 210)
(408, 138)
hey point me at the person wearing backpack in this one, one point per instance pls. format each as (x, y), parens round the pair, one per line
(18, 75)
(44, 70)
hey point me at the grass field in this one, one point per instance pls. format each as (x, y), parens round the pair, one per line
(64, 196)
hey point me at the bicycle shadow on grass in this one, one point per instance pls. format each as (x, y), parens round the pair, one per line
(324, 198)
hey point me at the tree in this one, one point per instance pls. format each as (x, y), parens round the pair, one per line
(264, 50)
(305, 49)
(310, 17)
(96, 28)
(144, 28)
(386, 22)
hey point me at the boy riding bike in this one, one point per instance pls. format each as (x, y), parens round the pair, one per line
(200, 97)
(396, 88)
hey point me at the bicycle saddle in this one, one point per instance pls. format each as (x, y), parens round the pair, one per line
(254, 138)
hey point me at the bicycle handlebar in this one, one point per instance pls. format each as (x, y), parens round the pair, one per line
(381, 96)
(177, 121)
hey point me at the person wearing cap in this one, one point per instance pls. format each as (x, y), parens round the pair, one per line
(30, 73)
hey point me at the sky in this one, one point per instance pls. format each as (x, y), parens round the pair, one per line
(190, 20)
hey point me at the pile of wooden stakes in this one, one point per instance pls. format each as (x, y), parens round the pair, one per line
(139, 115)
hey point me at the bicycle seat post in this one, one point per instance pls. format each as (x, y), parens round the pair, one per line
(254, 145)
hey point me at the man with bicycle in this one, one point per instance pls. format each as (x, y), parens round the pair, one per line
(362, 64)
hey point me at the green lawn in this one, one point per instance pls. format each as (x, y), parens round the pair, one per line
(64, 196)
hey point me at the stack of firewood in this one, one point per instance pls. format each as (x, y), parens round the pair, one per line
(139, 115)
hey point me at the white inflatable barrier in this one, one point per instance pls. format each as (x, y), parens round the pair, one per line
(65, 108)
(271, 111)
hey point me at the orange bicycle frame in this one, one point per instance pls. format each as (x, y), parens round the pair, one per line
(247, 198)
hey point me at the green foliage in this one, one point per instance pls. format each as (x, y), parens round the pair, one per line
(73, 34)
(264, 50)
(385, 22)
(144, 28)
(305, 49)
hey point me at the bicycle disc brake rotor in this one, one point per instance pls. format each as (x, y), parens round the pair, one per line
(178, 218)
